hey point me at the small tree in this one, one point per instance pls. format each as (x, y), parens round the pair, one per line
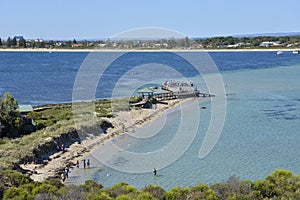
(14, 41)
(8, 42)
(22, 42)
(9, 115)
(74, 41)
(0, 42)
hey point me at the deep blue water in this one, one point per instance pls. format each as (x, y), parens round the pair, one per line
(42, 77)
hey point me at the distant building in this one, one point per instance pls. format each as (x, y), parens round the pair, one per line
(270, 44)
(19, 37)
(28, 123)
(77, 45)
(266, 44)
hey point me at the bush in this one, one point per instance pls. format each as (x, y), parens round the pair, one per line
(202, 191)
(55, 182)
(2, 141)
(76, 192)
(145, 196)
(177, 193)
(17, 193)
(155, 191)
(121, 188)
(12, 178)
(281, 184)
(44, 188)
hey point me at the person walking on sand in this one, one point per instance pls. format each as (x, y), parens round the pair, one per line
(84, 163)
(63, 147)
(77, 164)
(67, 171)
(88, 163)
(63, 177)
(154, 172)
(57, 148)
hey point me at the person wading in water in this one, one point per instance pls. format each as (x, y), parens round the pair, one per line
(154, 172)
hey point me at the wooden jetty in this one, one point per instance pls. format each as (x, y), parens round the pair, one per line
(172, 90)
(180, 95)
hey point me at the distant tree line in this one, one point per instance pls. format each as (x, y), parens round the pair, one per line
(170, 43)
(252, 42)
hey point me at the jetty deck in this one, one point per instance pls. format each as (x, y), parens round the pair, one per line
(174, 90)
(180, 95)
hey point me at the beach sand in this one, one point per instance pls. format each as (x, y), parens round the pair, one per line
(123, 121)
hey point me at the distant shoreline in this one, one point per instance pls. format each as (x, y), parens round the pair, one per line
(143, 50)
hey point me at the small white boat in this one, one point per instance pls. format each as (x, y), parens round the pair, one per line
(279, 52)
(296, 52)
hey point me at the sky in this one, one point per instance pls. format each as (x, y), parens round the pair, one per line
(94, 19)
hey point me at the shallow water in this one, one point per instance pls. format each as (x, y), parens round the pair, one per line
(261, 134)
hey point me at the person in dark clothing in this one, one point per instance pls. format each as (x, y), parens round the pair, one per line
(88, 163)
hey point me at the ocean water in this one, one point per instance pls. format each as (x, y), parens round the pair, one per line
(260, 134)
(48, 77)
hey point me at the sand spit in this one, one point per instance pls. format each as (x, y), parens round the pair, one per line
(122, 122)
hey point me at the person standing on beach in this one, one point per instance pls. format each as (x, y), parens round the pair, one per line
(63, 147)
(77, 164)
(63, 177)
(84, 164)
(57, 148)
(88, 163)
(154, 172)
(67, 171)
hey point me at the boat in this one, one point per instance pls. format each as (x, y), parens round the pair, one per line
(279, 52)
(296, 52)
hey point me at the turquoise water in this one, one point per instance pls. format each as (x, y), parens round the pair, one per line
(261, 134)
(261, 131)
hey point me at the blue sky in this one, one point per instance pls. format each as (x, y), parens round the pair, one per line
(68, 19)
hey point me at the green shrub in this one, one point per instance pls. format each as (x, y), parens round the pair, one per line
(177, 193)
(121, 188)
(145, 196)
(44, 188)
(55, 182)
(2, 141)
(156, 191)
(17, 193)
(90, 185)
(123, 197)
(14, 178)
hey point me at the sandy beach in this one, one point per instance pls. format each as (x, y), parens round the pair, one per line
(122, 122)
